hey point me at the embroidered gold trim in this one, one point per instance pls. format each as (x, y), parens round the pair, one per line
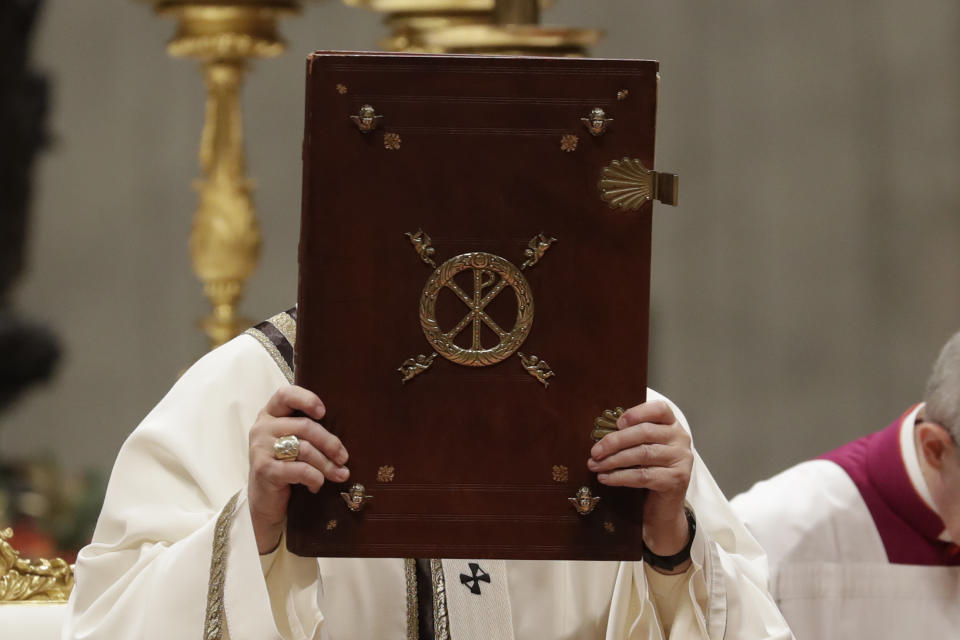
(272, 350)
(215, 621)
(441, 626)
(286, 325)
(413, 610)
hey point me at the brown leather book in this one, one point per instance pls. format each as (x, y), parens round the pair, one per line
(474, 296)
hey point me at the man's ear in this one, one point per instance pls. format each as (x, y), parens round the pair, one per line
(934, 443)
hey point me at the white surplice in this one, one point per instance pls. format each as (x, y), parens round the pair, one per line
(829, 567)
(146, 573)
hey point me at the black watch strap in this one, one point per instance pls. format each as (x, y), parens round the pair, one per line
(669, 563)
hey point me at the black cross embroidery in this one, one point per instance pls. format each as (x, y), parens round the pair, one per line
(478, 575)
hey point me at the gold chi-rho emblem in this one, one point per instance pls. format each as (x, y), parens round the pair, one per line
(492, 275)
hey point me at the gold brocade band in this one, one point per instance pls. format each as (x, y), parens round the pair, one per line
(215, 622)
(278, 336)
(441, 626)
(413, 603)
(287, 325)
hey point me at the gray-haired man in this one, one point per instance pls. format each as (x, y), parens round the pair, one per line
(861, 541)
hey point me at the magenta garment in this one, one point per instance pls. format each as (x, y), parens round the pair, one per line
(907, 526)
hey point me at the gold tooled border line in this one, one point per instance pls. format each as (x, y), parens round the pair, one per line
(215, 621)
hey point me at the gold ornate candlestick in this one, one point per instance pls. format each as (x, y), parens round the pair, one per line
(24, 580)
(225, 241)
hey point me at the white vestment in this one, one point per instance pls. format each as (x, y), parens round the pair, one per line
(829, 566)
(146, 574)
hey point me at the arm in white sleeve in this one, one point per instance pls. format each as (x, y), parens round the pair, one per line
(726, 593)
(150, 572)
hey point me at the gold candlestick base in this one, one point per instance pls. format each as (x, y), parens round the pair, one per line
(512, 39)
(476, 26)
(432, 6)
(225, 240)
(459, 26)
(406, 29)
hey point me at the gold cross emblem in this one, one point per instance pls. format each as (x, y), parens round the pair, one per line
(489, 272)
(492, 275)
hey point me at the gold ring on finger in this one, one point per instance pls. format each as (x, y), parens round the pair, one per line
(286, 448)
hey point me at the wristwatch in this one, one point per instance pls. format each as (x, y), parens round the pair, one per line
(669, 563)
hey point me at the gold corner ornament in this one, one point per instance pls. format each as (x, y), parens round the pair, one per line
(536, 367)
(366, 119)
(537, 246)
(606, 423)
(584, 501)
(597, 122)
(627, 184)
(413, 367)
(357, 497)
(31, 580)
(421, 244)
